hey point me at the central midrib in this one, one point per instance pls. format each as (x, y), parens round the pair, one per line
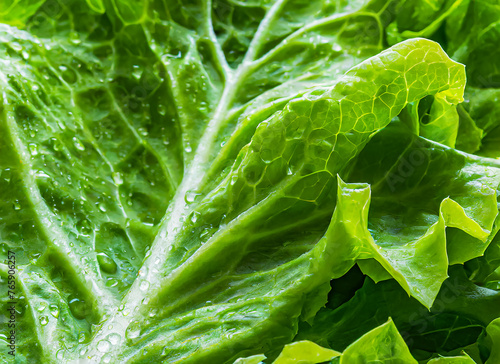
(173, 220)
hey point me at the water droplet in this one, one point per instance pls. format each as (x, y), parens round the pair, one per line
(102, 207)
(153, 312)
(133, 331)
(41, 174)
(136, 71)
(16, 46)
(205, 234)
(188, 148)
(7, 175)
(82, 337)
(162, 110)
(74, 38)
(117, 178)
(114, 339)
(191, 196)
(230, 333)
(174, 54)
(77, 307)
(33, 149)
(56, 145)
(194, 216)
(106, 263)
(78, 144)
(203, 106)
(42, 306)
(44, 320)
(54, 310)
(267, 155)
(34, 257)
(17, 205)
(165, 351)
(103, 346)
(144, 285)
(111, 282)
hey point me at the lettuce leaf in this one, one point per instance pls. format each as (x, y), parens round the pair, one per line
(181, 181)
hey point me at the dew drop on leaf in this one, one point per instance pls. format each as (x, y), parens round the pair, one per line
(78, 144)
(106, 263)
(78, 308)
(16, 205)
(102, 207)
(190, 196)
(114, 339)
(103, 346)
(194, 216)
(16, 46)
(82, 337)
(44, 320)
(42, 306)
(144, 285)
(136, 72)
(54, 310)
(117, 178)
(60, 354)
(74, 38)
(162, 110)
(112, 282)
(153, 312)
(133, 331)
(7, 175)
(33, 149)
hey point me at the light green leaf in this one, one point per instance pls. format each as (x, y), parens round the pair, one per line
(460, 313)
(493, 338)
(383, 345)
(17, 12)
(452, 359)
(96, 5)
(305, 352)
(254, 359)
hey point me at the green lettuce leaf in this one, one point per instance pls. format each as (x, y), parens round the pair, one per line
(493, 341)
(383, 344)
(181, 181)
(460, 313)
